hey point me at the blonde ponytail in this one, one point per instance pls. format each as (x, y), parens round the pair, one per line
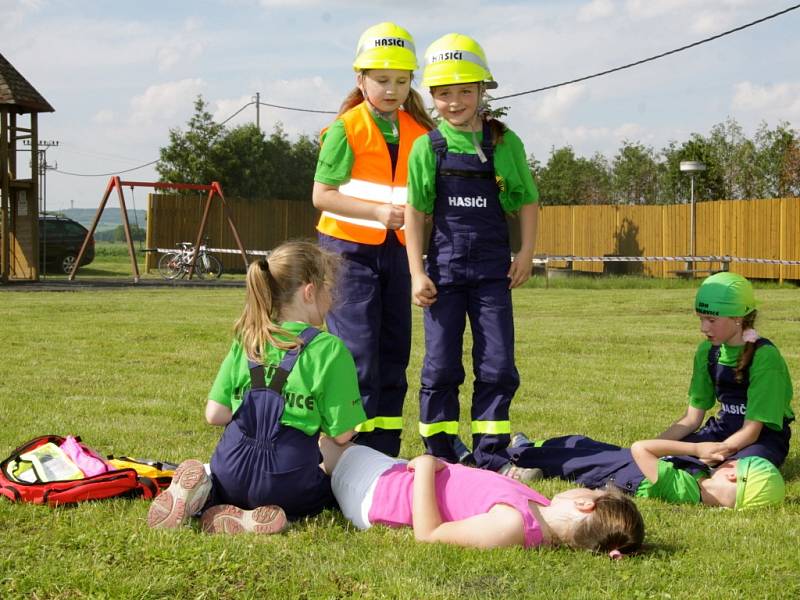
(271, 285)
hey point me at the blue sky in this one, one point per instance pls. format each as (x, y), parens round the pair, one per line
(121, 74)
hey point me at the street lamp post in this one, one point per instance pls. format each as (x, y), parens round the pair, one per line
(692, 167)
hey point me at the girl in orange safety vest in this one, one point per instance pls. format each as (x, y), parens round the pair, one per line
(360, 187)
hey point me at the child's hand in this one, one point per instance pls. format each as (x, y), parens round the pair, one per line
(520, 270)
(425, 459)
(713, 453)
(423, 291)
(392, 216)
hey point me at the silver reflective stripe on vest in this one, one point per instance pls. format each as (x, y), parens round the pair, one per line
(374, 192)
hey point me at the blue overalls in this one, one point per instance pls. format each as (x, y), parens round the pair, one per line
(591, 463)
(372, 315)
(468, 259)
(771, 444)
(259, 461)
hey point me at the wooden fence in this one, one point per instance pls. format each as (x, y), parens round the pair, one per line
(744, 228)
(261, 224)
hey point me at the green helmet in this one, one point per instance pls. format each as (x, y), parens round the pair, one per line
(456, 58)
(758, 483)
(725, 295)
(385, 46)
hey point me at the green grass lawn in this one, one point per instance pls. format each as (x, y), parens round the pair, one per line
(129, 370)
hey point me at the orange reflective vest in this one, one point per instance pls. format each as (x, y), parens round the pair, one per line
(371, 177)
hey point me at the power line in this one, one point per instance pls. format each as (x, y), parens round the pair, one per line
(541, 89)
(152, 162)
(656, 57)
(307, 110)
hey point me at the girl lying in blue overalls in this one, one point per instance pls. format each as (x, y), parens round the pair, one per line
(281, 384)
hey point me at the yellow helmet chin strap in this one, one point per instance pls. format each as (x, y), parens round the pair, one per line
(479, 116)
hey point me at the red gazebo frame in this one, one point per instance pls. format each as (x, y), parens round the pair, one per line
(213, 189)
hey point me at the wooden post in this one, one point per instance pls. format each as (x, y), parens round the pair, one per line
(5, 192)
(111, 183)
(781, 238)
(128, 237)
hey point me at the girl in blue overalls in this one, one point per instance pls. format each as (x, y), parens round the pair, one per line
(282, 383)
(468, 173)
(744, 372)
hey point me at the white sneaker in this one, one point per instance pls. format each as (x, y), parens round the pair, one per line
(185, 496)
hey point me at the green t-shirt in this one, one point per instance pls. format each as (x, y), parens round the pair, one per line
(336, 158)
(321, 391)
(769, 394)
(510, 166)
(674, 485)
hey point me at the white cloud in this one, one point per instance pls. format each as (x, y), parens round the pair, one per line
(101, 117)
(182, 48)
(648, 9)
(555, 105)
(162, 102)
(779, 101)
(596, 9)
(12, 13)
(707, 17)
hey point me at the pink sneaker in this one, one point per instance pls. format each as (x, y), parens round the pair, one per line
(226, 518)
(185, 496)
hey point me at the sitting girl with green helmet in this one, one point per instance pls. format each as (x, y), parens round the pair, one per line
(743, 371)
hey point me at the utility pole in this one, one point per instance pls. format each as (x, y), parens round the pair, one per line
(257, 98)
(44, 145)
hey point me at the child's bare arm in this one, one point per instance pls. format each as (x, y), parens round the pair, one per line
(522, 266)
(328, 197)
(501, 526)
(423, 290)
(688, 423)
(745, 436)
(217, 414)
(647, 452)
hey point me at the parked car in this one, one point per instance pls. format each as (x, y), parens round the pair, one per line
(60, 240)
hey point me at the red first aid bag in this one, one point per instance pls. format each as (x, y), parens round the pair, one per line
(32, 473)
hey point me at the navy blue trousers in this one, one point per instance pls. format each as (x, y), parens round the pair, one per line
(487, 303)
(372, 315)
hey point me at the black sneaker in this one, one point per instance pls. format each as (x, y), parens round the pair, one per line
(463, 453)
(520, 439)
(522, 474)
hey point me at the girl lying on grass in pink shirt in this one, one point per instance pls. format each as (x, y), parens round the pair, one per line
(475, 508)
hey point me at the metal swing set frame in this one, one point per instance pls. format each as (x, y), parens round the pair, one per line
(214, 189)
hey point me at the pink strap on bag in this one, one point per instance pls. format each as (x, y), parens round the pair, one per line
(88, 462)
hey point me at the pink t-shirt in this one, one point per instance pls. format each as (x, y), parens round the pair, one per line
(461, 492)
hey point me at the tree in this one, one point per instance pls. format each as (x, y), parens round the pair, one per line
(189, 158)
(567, 179)
(242, 161)
(708, 184)
(635, 174)
(734, 154)
(304, 162)
(778, 160)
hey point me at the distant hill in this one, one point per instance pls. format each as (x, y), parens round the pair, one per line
(112, 216)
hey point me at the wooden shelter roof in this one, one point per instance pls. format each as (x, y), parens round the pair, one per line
(16, 91)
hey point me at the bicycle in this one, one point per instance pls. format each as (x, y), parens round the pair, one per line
(175, 265)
